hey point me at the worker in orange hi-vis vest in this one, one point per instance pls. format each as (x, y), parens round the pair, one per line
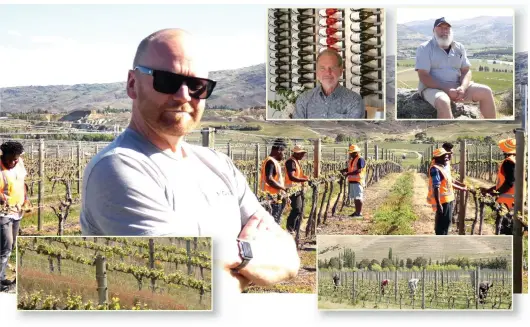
(441, 194)
(13, 197)
(295, 175)
(356, 173)
(449, 148)
(505, 187)
(271, 177)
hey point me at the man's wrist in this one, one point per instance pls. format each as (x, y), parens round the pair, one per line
(244, 251)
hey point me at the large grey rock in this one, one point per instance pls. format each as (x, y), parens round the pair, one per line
(411, 106)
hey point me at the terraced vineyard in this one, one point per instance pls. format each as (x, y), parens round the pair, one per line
(74, 273)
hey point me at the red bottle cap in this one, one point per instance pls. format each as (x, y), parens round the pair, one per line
(331, 30)
(331, 40)
(331, 11)
(331, 20)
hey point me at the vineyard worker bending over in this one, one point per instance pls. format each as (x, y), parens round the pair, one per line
(150, 182)
(271, 178)
(505, 187)
(329, 100)
(295, 174)
(356, 178)
(445, 77)
(441, 196)
(13, 198)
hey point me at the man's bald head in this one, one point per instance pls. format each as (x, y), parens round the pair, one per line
(155, 46)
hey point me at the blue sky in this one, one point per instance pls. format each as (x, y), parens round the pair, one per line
(68, 44)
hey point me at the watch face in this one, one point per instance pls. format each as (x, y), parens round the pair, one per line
(246, 251)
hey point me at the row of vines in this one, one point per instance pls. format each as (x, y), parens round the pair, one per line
(435, 289)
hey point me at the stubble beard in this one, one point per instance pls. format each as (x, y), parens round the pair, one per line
(166, 119)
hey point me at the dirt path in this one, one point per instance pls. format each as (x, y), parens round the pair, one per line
(50, 229)
(342, 224)
(425, 222)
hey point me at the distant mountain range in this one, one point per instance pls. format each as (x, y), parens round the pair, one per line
(483, 30)
(238, 88)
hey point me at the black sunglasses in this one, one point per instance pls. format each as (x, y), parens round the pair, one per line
(169, 83)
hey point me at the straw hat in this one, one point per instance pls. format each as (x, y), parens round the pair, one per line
(507, 146)
(299, 149)
(439, 152)
(354, 148)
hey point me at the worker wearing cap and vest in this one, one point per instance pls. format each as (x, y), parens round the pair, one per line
(271, 177)
(505, 187)
(441, 196)
(13, 197)
(295, 175)
(356, 174)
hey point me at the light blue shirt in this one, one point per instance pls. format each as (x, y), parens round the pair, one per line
(444, 67)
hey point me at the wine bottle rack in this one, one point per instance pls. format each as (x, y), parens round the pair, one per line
(298, 35)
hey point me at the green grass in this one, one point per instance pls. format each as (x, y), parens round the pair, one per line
(476, 63)
(49, 218)
(453, 131)
(498, 82)
(395, 215)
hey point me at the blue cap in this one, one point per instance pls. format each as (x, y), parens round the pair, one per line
(440, 21)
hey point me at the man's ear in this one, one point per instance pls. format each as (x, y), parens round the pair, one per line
(130, 86)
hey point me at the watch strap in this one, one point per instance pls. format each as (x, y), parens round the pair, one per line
(245, 253)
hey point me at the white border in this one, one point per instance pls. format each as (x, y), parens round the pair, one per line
(267, 82)
(452, 120)
(508, 237)
(103, 237)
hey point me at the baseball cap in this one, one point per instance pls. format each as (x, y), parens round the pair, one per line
(440, 21)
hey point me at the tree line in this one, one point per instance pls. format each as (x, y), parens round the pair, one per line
(346, 260)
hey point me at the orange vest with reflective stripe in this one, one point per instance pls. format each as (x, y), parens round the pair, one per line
(264, 186)
(507, 198)
(359, 177)
(445, 190)
(13, 188)
(296, 173)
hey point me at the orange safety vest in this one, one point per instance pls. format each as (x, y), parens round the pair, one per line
(264, 186)
(446, 189)
(298, 172)
(13, 189)
(359, 177)
(507, 198)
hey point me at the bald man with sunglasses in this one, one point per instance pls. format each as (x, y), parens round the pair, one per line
(150, 182)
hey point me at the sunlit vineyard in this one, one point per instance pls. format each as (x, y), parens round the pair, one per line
(77, 273)
(441, 290)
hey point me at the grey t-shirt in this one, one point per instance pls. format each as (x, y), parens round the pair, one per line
(342, 103)
(444, 67)
(133, 188)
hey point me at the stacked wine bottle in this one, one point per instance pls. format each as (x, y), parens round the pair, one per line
(366, 60)
(297, 36)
